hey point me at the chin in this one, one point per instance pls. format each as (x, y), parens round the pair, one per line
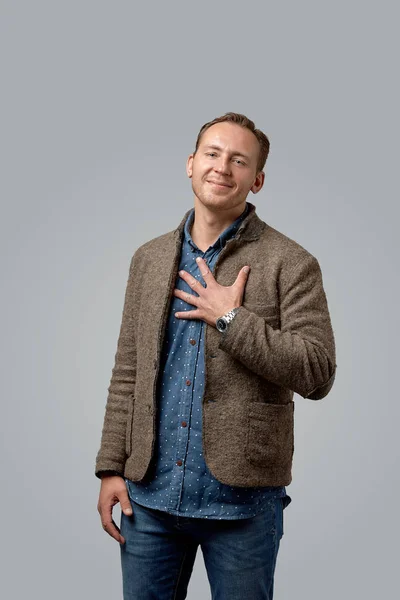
(216, 201)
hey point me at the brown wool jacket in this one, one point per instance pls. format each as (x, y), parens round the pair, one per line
(280, 342)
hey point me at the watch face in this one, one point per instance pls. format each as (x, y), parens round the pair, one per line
(221, 324)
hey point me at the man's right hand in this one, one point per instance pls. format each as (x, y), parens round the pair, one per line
(113, 490)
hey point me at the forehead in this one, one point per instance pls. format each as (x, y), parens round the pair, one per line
(231, 138)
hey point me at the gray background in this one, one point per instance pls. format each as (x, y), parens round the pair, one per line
(101, 104)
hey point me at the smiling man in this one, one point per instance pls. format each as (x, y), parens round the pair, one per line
(224, 319)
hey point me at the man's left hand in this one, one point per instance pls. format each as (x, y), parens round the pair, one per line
(214, 300)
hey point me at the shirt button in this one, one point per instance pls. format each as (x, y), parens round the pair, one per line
(188, 382)
(184, 424)
(192, 342)
(179, 462)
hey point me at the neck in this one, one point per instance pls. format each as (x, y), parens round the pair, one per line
(208, 225)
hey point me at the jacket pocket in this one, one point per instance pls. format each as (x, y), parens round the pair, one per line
(128, 434)
(270, 434)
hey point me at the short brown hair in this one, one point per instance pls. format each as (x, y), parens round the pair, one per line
(243, 121)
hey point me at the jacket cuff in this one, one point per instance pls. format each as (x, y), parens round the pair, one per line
(229, 336)
(109, 466)
(320, 392)
(100, 474)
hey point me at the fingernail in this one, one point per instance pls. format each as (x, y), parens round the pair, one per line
(246, 269)
(128, 511)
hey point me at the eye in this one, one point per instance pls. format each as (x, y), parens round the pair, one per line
(239, 161)
(210, 154)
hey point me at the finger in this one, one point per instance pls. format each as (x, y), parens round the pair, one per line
(110, 526)
(186, 297)
(191, 281)
(114, 531)
(242, 276)
(204, 270)
(188, 314)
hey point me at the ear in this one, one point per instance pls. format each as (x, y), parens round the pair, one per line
(189, 165)
(258, 182)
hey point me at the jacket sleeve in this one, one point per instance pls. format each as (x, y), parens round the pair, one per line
(111, 455)
(301, 355)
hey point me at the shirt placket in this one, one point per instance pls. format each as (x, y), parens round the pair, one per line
(194, 333)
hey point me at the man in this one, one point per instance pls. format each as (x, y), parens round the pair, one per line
(224, 319)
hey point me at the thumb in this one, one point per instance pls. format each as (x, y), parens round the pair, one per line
(243, 274)
(125, 503)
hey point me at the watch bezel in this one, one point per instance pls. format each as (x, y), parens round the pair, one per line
(226, 319)
(221, 324)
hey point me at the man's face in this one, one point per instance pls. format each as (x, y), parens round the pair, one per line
(224, 168)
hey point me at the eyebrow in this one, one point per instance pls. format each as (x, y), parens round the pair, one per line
(235, 152)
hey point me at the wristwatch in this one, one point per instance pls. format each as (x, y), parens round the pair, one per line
(222, 322)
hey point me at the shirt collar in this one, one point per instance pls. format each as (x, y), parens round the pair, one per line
(225, 235)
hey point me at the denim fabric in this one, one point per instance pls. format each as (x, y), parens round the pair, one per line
(179, 481)
(239, 555)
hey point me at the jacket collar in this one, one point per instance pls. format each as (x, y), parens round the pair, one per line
(250, 228)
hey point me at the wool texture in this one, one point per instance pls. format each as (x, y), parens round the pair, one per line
(280, 342)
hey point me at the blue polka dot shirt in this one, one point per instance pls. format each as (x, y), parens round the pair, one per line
(178, 480)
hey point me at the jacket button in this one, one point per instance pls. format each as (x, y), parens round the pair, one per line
(184, 424)
(179, 462)
(193, 342)
(188, 382)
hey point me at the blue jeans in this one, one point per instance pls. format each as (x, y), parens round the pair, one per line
(239, 555)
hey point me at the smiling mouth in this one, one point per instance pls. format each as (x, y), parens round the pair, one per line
(220, 185)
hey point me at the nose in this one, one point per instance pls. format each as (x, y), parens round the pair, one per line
(222, 165)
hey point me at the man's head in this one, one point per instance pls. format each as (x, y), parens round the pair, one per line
(232, 152)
